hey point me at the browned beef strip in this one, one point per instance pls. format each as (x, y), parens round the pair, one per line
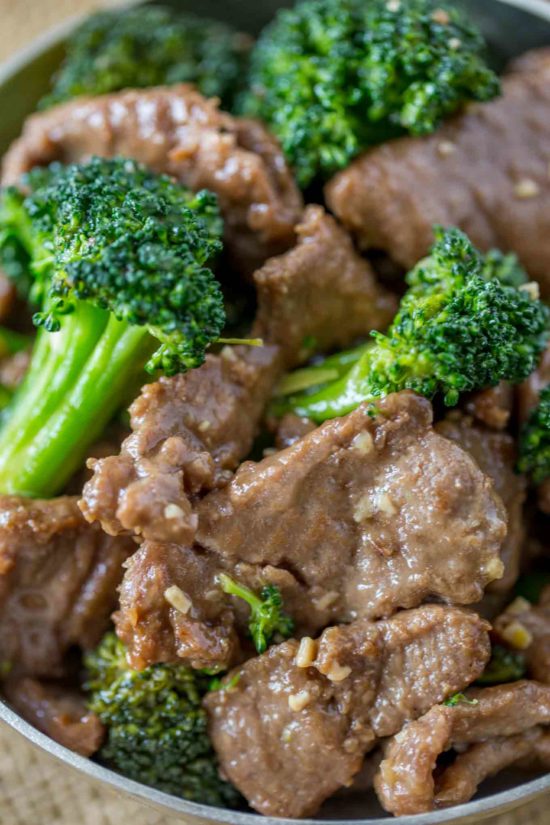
(298, 722)
(290, 429)
(495, 453)
(58, 580)
(188, 433)
(409, 513)
(191, 431)
(365, 514)
(485, 170)
(171, 608)
(320, 295)
(174, 129)
(405, 782)
(493, 406)
(459, 782)
(526, 627)
(58, 712)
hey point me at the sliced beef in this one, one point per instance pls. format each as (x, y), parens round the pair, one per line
(174, 129)
(296, 725)
(526, 628)
(493, 406)
(171, 608)
(499, 717)
(460, 781)
(485, 170)
(57, 711)
(191, 431)
(58, 580)
(363, 515)
(495, 453)
(290, 429)
(321, 295)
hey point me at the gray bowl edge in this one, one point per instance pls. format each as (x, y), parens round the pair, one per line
(28, 70)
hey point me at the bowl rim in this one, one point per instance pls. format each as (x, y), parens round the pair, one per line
(478, 809)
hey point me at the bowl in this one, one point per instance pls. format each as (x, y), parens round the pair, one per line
(511, 28)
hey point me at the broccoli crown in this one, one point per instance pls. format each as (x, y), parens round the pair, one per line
(267, 618)
(332, 77)
(135, 243)
(151, 46)
(459, 328)
(534, 443)
(115, 259)
(156, 725)
(504, 666)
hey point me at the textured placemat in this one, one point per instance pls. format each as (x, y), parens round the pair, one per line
(34, 788)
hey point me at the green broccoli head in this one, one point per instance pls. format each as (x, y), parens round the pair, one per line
(459, 328)
(151, 46)
(156, 725)
(332, 77)
(267, 618)
(132, 242)
(534, 443)
(118, 260)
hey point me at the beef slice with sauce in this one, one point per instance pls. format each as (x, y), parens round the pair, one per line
(496, 455)
(191, 431)
(494, 728)
(172, 609)
(175, 130)
(525, 628)
(357, 518)
(485, 171)
(58, 580)
(365, 514)
(292, 726)
(58, 711)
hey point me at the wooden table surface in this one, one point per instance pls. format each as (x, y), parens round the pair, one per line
(35, 789)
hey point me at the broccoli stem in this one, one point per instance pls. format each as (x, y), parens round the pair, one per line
(87, 367)
(233, 588)
(325, 371)
(336, 398)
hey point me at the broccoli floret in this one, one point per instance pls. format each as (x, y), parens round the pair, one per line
(119, 264)
(332, 77)
(156, 725)
(267, 618)
(504, 666)
(151, 46)
(534, 442)
(459, 328)
(459, 699)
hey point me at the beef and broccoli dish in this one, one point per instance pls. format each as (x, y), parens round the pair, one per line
(275, 406)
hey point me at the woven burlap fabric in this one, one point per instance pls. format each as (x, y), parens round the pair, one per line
(34, 788)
